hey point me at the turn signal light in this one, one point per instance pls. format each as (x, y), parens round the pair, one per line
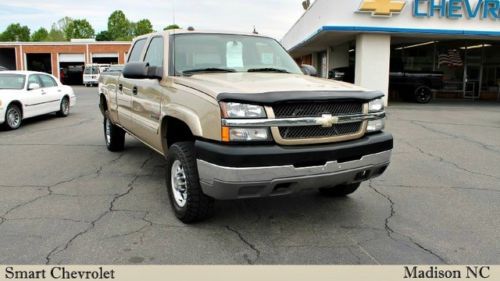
(225, 134)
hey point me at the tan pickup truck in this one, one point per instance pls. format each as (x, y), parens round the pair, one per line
(236, 117)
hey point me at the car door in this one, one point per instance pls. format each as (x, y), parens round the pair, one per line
(125, 89)
(34, 100)
(146, 97)
(53, 94)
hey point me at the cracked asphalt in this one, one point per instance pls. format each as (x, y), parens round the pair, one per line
(64, 199)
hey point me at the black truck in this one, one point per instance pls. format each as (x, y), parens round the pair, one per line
(415, 86)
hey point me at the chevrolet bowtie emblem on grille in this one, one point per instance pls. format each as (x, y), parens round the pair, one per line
(327, 120)
(384, 8)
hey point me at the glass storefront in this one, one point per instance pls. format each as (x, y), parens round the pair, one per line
(471, 69)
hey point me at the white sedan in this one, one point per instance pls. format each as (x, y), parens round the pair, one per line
(25, 94)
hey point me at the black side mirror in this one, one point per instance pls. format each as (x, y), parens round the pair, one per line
(142, 70)
(309, 70)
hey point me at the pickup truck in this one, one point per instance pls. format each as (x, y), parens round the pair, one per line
(415, 86)
(236, 117)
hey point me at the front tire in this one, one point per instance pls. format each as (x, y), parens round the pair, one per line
(187, 199)
(64, 108)
(13, 117)
(113, 135)
(340, 191)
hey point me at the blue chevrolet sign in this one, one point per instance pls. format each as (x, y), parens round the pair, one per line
(456, 9)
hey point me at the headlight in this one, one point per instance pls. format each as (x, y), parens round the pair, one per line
(375, 125)
(376, 105)
(243, 111)
(245, 134)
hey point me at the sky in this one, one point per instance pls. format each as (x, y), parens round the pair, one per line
(270, 17)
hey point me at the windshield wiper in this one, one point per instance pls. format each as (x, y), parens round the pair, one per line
(209, 69)
(268, 69)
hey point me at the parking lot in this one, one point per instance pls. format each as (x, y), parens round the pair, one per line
(64, 199)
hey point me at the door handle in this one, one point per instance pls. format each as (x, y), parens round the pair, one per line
(120, 87)
(134, 90)
(43, 92)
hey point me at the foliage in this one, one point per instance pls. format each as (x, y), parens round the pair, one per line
(40, 35)
(172, 26)
(119, 26)
(79, 29)
(16, 32)
(103, 36)
(55, 34)
(142, 27)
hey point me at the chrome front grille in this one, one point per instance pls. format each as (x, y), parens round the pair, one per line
(294, 110)
(318, 134)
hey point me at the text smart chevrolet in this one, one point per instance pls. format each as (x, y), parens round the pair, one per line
(236, 117)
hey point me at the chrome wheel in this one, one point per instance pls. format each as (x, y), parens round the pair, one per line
(65, 106)
(179, 183)
(13, 118)
(107, 130)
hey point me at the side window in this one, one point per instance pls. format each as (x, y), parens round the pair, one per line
(135, 54)
(34, 79)
(47, 81)
(154, 54)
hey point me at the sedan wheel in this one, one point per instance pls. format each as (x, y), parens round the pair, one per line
(13, 117)
(64, 108)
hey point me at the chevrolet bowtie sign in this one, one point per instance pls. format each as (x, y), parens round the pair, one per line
(451, 9)
(385, 8)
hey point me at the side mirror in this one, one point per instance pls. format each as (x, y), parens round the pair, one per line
(33, 86)
(309, 70)
(142, 70)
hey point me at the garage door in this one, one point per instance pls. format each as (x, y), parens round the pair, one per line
(72, 58)
(105, 58)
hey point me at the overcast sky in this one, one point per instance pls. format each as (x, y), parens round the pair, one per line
(271, 17)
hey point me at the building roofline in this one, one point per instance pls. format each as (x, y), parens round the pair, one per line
(65, 43)
(299, 19)
(397, 30)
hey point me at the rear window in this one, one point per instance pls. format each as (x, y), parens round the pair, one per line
(12, 81)
(91, 70)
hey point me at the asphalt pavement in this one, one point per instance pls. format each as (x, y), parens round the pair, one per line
(64, 199)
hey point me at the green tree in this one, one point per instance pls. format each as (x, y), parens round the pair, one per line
(63, 24)
(143, 26)
(55, 34)
(119, 26)
(103, 36)
(40, 35)
(79, 29)
(172, 26)
(16, 32)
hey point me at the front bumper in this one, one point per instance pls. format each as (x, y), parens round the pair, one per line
(231, 172)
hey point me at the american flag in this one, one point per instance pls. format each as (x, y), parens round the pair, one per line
(452, 58)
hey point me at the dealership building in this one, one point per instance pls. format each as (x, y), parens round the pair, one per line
(65, 60)
(459, 39)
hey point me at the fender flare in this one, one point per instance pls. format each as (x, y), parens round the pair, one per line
(184, 114)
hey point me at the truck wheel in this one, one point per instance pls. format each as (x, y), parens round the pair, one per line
(114, 136)
(64, 108)
(423, 94)
(188, 201)
(13, 117)
(339, 191)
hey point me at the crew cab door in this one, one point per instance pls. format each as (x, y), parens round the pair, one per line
(125, 89)
(146, 97)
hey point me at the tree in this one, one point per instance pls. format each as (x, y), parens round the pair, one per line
(142, 27)
(40, 35)
(55, 34)
(172, 26)
(79, 29)
(16, 32)
(119, 26)
(103, 36)
(63, 24)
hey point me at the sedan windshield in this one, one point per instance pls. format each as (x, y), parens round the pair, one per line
(197, 53)
(12, 81)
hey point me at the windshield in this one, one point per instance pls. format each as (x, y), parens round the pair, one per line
(91, 70)
(230, 53)
(12, 81)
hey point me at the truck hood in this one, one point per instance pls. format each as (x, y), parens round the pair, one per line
(217, 84)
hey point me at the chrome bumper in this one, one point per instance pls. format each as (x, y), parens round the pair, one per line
(225, 183)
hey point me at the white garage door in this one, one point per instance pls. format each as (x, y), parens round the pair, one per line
(72, 58)
(105, 55)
